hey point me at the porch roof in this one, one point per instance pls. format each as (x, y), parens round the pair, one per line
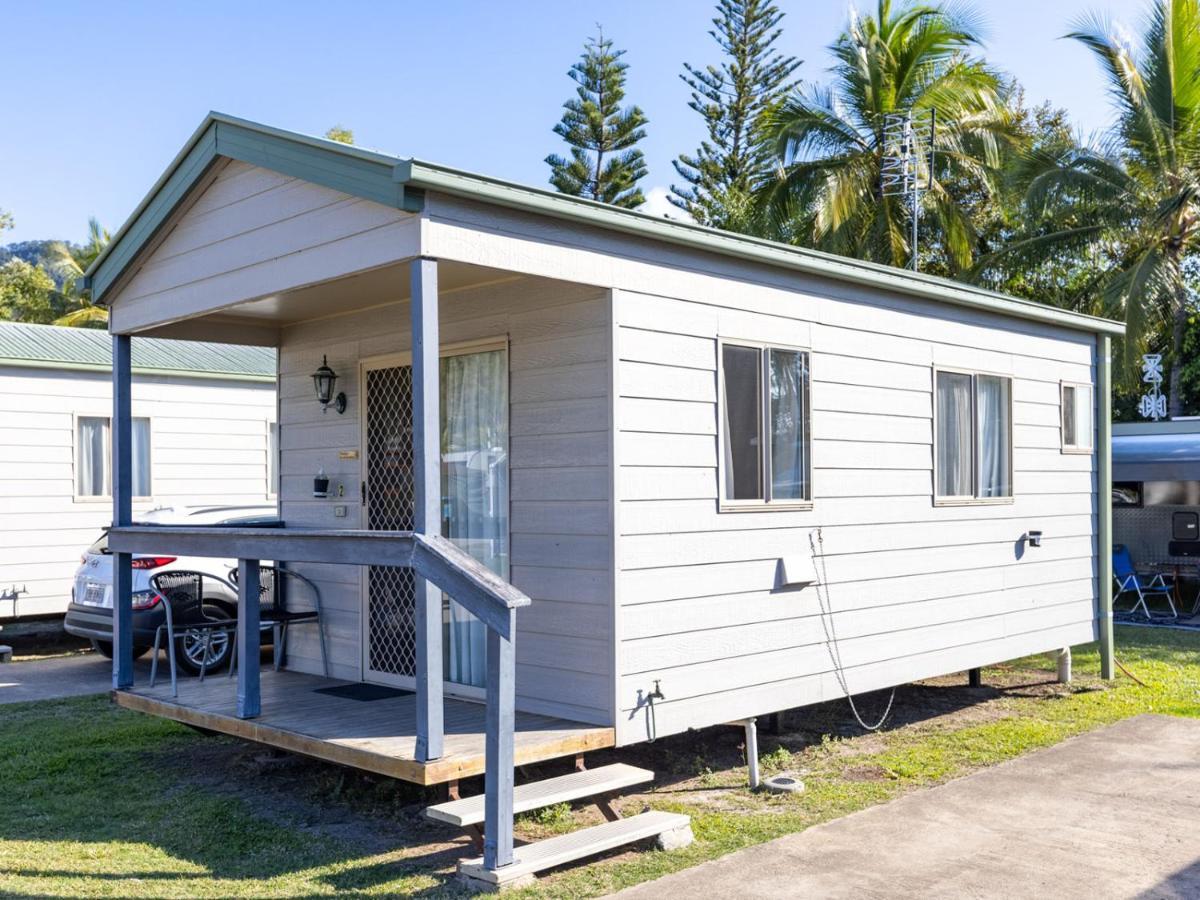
(401, 183)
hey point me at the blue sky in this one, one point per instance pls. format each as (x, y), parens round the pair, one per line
(99, 99)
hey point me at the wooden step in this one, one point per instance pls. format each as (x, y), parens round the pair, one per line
(672, 829)
(537, 794)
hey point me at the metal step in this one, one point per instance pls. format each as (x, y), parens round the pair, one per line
(674, 828)
(536, 794)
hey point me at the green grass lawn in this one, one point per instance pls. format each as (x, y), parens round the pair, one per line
(98, 801)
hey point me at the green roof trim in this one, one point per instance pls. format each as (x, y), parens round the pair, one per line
(401, 183)
(90, 350)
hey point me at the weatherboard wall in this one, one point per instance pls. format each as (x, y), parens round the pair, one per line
(209, 444)
(252, 232)
(560, 515)
(914, 589)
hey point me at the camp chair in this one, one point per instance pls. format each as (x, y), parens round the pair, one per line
(182, 594)
(1144, 584)
(274, 614)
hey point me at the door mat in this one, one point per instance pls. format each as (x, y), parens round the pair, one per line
(362, 691)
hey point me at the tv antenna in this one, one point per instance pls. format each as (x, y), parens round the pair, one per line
(907, 169)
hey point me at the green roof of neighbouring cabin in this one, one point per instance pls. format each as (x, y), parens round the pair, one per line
(89, 349)
(401, 183)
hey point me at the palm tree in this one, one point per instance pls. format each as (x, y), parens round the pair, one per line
(907, 57)
(68, 264)
(1130, 205)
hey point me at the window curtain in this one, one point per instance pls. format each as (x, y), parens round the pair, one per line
(1083, 417)
(474, 440)
(1070, 438)
(141, 458)
(742, 371)
(789, 425)
(992, 432)
(953, 435)
(92, 457)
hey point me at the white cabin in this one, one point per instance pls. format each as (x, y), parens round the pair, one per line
(204, 433)
(724, 476)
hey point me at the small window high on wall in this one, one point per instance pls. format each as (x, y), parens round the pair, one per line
(1077, 423)
(93, 457)
(973, 445)
(765, 440)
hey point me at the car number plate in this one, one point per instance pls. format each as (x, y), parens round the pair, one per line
(94, 594)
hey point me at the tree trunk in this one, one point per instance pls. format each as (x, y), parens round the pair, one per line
(1175, 391)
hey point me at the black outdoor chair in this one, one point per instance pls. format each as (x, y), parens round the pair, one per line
(275, 614)
(185, 612)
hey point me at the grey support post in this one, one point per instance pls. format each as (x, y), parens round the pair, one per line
(752, 752)
(122, 494)
(498, 749)
(249, 697)
(1063, 665)
(1104, 503)
(427, 491)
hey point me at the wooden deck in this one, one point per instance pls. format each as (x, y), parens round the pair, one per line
(376, 735)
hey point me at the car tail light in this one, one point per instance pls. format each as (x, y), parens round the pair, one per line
(152, 562)
(145, 599)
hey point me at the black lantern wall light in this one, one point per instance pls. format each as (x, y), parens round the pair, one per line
(324, 380)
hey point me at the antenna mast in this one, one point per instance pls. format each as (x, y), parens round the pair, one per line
(907, 169)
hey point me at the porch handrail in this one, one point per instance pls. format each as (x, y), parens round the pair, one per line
(473, 585)
(481, 591)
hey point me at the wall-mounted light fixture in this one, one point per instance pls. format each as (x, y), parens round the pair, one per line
(324, 380)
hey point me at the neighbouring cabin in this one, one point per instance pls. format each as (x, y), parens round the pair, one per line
(685, 478)
(203, 434)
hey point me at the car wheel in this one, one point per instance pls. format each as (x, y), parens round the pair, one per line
(190, 644)
(105, 649)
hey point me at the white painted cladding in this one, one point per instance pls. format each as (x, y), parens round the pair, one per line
(560, 518)
(915, 590)
(254, 232)
(209, 444)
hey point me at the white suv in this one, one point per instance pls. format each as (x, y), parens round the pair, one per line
(89, 614)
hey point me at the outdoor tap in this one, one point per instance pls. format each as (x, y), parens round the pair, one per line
(657, 693)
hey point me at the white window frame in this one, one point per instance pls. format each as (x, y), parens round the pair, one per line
(273, 463)
(764, 437)
(1077, 448)
(104, 498)
(972, 499)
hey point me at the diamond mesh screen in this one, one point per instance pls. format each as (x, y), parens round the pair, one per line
(391, 627)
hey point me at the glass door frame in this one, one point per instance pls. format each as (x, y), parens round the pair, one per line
(394, 360)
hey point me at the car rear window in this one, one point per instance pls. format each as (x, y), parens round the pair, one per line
(101, 545)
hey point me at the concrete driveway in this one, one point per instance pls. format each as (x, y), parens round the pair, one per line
(1113, 813)
(64, 676)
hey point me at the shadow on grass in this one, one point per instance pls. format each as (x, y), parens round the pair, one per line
(83, 771)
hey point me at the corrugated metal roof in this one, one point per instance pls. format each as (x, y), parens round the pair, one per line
(52, 346)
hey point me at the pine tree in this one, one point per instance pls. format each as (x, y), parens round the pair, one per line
(733, 98)
(604, 164)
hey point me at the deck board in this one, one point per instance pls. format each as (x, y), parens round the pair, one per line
(377, 735)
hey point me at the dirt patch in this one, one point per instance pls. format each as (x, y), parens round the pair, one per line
(865, 773)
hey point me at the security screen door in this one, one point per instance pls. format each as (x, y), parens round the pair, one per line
(474, 469)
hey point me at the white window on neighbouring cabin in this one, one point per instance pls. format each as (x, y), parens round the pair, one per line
(765, 426)
(1077, 417)
(974, 436)
(93, 457)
